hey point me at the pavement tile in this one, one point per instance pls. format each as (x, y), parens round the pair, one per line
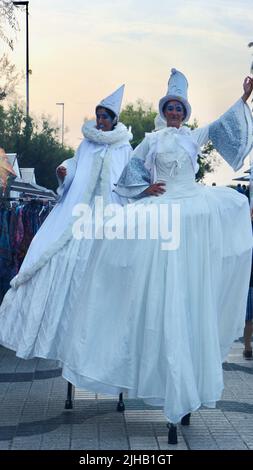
(33, 394)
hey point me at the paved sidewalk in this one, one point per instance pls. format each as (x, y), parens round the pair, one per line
(33, 393)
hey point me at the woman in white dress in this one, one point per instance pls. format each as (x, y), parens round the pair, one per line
(151, 319)
(54, 253)
(93, 171)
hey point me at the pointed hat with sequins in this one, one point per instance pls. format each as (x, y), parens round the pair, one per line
(177, 90)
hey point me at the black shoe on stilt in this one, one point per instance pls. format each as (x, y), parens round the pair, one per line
(69, 400)
(172, 434)
(121, 404)
(185, 421)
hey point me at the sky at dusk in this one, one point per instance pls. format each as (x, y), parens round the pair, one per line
(80, 51)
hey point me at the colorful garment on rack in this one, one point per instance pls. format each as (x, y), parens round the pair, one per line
(18, 225)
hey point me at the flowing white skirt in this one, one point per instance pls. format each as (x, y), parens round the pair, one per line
(126, 315)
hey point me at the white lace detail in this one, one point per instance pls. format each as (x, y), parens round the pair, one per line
(184, 130)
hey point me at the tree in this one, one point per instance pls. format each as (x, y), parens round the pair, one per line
(7, 18)
(207, 157)
(9, 77)
(35, 142)
(140, 117)
(206, 161)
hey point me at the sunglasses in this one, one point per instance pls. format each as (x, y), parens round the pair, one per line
(178, 107)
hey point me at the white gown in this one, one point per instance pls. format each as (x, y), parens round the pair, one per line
(94, 170)
(135, 317)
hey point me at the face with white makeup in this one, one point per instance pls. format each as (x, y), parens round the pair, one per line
(174, 113)
(105, 118)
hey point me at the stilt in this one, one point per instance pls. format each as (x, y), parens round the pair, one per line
(120, 404)
(69, 401)
(185, 421)
(172, 434)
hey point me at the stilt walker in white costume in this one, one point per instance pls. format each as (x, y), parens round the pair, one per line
(152, 320)
(93, 171)
(91, 174)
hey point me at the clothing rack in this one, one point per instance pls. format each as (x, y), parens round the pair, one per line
(26, 199)
(20, 219)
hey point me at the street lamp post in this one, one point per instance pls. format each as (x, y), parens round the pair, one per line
(27, 53)
(62, 122)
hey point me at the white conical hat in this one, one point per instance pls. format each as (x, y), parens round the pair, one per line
(177, 90)
(113, 101)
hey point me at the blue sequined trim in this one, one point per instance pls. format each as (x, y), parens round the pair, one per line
(226, 137)
(135, 174)
(134, 179)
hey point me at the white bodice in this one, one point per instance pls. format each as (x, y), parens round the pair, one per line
(174, 166)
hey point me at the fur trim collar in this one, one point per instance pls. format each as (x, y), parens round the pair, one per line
(120, 134)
